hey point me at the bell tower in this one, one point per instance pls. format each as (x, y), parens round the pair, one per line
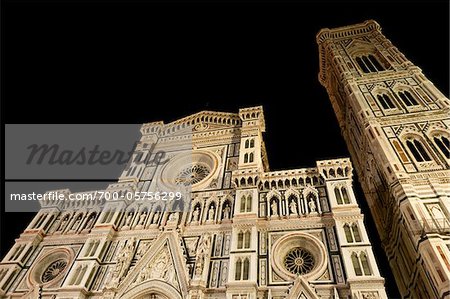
(395, 123)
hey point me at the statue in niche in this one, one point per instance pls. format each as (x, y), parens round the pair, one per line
(274, 207)
(77, 222)
(211, 213)
(173, 217)
(63, 223)
(90, 222)
(226, 212)
(130, 216)
(156, 217)
(199, 265)
(293, 207)
(312, 205)
(196, 214)
(142, 218)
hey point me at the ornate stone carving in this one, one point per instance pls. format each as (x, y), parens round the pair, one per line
(124, 257)
(161, 267)
(203, 252)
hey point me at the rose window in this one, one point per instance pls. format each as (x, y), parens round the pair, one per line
(53, 270)
(192, 175)
(299, 261)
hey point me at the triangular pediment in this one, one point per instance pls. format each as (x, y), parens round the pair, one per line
(302, 290)
(162, 264)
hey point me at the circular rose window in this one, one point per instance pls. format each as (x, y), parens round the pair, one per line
(299, 261)
(50, 267)
(53, 270)
(297, 254)
(192, 175)
(190, 169)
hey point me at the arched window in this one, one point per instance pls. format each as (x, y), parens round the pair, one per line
(365, 264)
(356, 265)
(362, 65)
(238, 270)
(369, 64)
(246, 158)
(407, 98)
(332, 173)
(247, 143)
(39, 220)
(240, 240)
(348, 234)
(345, 195)
(251, 158)
(242, 271)
(337, 193)
(248, 204)
(385, 101)
(246, 270)
(443, 143)
(252, 143)
(244, 239)
(356, 235)
(376, 63)
(243, 204)
(418, 150)
(50, 221)
(76, 224)
(247, 236)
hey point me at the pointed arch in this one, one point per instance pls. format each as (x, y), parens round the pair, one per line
(417, 149)
(442, 141)
(247, 239)
(345, 196)
(248, 203)
(348, 233)
(240, 240)
(167, 242)
(356, 265)
(355, 231)
(365, 263)
(407, 98)
(385, 101)
(243, 202)
(156, 287)
(246, 269)
(238, 269)
(337, 194)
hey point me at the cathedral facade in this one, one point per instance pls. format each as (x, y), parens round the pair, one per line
(247, 232)
(396, 125)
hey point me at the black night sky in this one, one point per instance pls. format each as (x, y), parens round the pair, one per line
(136, 62)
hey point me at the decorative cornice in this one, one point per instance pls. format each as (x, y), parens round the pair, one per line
(346, 32)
